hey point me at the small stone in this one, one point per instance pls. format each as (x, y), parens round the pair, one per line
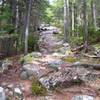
(4, 84)
(17, 91)
(24, 75)
(10, 93)
(77, 62)
(10, 86)
(66, 45)
(6, 90)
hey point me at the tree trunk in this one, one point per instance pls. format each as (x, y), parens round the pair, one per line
(27, 26)
(93, 14)
(13, 8)
(73, 18)
(85, 25)
(17, 17)
(66, 20)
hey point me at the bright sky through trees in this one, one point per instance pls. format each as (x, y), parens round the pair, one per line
(50, 1)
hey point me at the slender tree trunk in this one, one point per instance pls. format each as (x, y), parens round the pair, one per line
(13, 8)
(73, 18)
(27, 26)
(17, 17)
(85, 25)
(66, 20)
(94, 14)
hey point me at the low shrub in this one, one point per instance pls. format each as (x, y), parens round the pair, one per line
(76, 40)
(33, 42)
(37, 88)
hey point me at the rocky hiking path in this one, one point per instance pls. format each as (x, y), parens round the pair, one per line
(52, 68)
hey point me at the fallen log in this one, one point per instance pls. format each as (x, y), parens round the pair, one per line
(94, 66)
(78, 48)
(90, 56)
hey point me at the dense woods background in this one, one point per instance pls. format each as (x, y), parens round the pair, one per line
(79, 20)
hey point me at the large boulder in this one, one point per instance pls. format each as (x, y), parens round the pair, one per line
(31, 69)
(30, 57)
(24, 75)
(66, 77)
(35, 70)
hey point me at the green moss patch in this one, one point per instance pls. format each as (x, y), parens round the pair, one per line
(37, 88)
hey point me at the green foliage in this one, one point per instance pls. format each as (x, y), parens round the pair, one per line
(5, 16)
(26, 59)
(94, 35)
(33, 42)
(78, 30)
(14, 36)
(5, 28)
(5, 13)
(49, 15)
(54, 13)
(76, 40)
(37, 88)
(30, 57)
(97, 47)
(91, 30)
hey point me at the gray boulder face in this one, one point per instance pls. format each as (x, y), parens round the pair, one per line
(55, 64)
(31, 69)
(66, 78)
(63, 79)
(24, 75)
(82, 97)
(36, 54)
(2, 94)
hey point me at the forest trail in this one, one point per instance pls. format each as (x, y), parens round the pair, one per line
(44, 66)
(49, 44)
(48, 41)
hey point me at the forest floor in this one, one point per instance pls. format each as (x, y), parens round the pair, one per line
(12, 75)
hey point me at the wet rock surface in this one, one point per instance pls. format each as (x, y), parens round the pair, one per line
(82, 97)
(2, 94)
